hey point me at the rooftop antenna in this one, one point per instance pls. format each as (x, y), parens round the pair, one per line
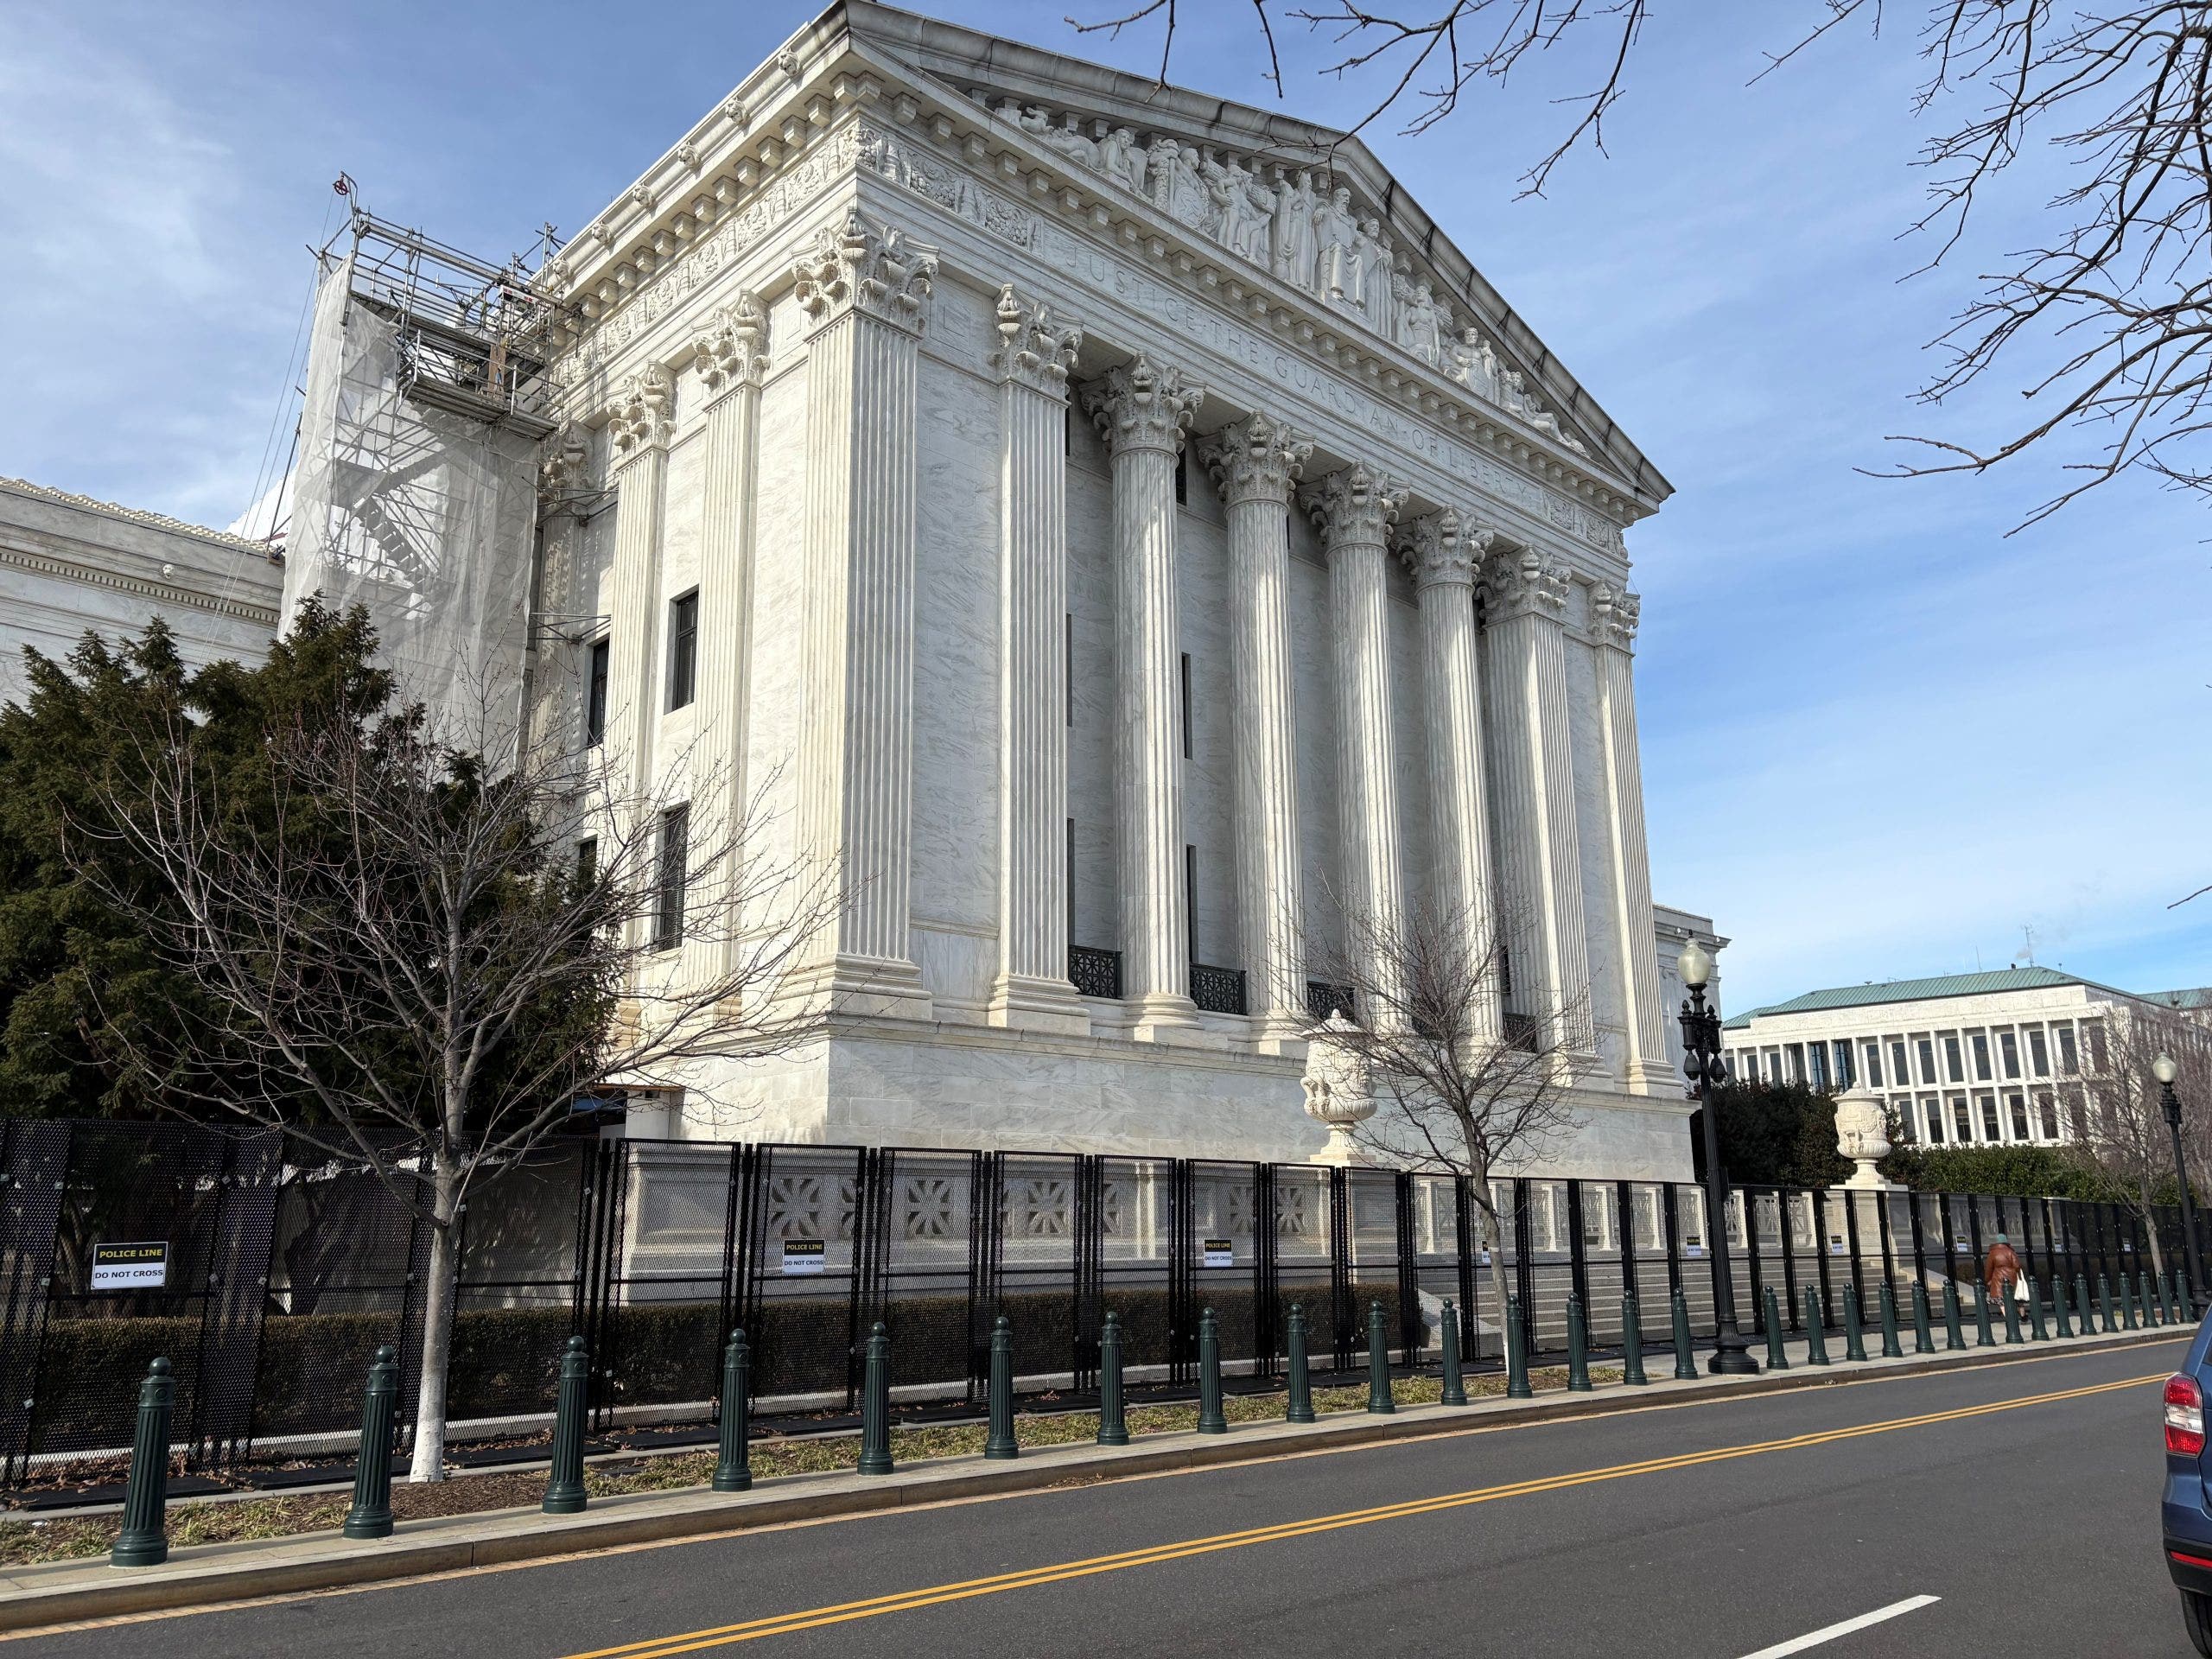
(2027, 952)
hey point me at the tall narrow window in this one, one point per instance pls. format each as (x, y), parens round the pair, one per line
(1190, 898)
(674, 877)
(595, 695)
(587, 862)
(1981, 1057)
(1186, 705)
(683, 648)
(1926, 1060)
(1898, 1072)
(2038, 1052)
(1842, 1062)
(1953, 1059)
(1070, 884)
(1873, 1066)
(1182, 477)
(2008, 1045)
(1067, 664)
(2069, 1061)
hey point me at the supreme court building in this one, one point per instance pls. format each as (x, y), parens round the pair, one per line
(1125, 533)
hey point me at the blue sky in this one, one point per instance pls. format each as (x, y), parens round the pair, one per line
(1880, 737)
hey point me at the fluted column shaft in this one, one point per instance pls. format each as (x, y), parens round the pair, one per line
(1615, 615)
(732, 357)
(1143, 412)
(1442, 552)
(1539, 850)
(638, 428)
(866, 290)
(1035, 351)
(1354, 509)
(1256, 463)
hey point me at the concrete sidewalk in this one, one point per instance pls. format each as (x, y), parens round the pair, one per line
(67, 1591)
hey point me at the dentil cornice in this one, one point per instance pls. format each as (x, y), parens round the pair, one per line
(1354, 506)
(734, 350)
(868, 268)
(1036, 349)
(1138, 406)
(1527, 585)
(1613, 617)
(1256, 459)
(1442, 547)
(643, 414)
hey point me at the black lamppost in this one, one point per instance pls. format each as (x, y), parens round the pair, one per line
(1707, 1070)
(2165, 1070)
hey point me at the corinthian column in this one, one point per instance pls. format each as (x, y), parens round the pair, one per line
(638, 428)
(1035, 351)
(1539, 850)
(865, 290)
(1256, 464)
(1354, 509)
(1614, 617)
(1143, 412)
(733, 359)
(1442, 551)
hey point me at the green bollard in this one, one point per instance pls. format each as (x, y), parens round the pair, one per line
(1632, 1344)
(2107, 1324)
(2061, 1325)
(2165, 1307)
(1953, 1337)
(734, 1459)
(1455, 1382)
(2143, 1301)
(1854, 1339)
(1891, 1348)
(2083, 1305)
(1983, 1336)
(1113, 1424)
(875, 1404)
(1516, 1354)
(370, 1516)
(1379, 1402)
(1777, 1356)
(2126, 1304)
(2037, 1330)
(144, 1539)
(1924, 1339)
(1210, 1420)
(999, 1446)
(2011, 1321)
(1816, 1334)
(1685, 1351)
(1578, 1347)
(564, 1487)
(1301, 1406)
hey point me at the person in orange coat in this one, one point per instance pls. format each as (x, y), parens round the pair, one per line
(2001, 1271)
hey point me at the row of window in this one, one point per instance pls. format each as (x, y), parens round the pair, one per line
(1927, 1057)
(671, 874)
(682, 667)
(1985, 1117)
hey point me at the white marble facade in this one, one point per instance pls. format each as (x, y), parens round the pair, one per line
(1122, 522)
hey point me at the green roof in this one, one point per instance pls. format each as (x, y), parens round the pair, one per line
(1925, 990)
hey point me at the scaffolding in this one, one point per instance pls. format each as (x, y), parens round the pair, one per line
(428, 390)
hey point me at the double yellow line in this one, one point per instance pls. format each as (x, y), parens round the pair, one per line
(910, 1600)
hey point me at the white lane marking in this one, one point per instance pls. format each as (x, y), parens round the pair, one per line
(1814, 1638)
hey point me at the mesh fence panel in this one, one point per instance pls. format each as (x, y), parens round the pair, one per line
(670, 1297)
(931, 1209)
(1039, 1221)
(1136, 1228)
(803, 1303)
(519, 1294)
(1225, 1257)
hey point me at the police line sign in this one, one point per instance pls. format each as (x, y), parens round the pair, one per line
(131, 1266)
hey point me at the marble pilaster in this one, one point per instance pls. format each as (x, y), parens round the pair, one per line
(1443, 551)
(1613, 617)
(1256, 464)
(1539, 845)
(1143, 412)
(1035, 351)
(1354, 509)
(638, 426)
(865, 288)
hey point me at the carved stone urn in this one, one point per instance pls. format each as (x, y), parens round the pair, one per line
(1862, 1135)
(1337, 1089)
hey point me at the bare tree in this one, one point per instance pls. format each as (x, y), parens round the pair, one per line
(2123, 1122)
(440, 957)
(2108, 309)
(1459, 1085)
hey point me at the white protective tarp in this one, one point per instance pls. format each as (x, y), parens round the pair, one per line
(425, 518)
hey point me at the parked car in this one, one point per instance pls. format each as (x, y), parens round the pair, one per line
(2185, 1511)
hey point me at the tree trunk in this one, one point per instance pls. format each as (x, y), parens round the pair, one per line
(2151, 1224)
(437, 1323)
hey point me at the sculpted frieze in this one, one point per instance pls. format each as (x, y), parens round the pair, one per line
(951, 188)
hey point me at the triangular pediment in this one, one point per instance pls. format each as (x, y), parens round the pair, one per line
(1303, 204)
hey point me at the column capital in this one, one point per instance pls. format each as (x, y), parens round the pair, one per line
(1353, 507)
(1613, 617)
(733, 351)
(1530, 585)
(1036, 349)
(869, 268)
(1139, 406)
(642, 414)
(1256, 459)
(563, 474)
(1443, 549)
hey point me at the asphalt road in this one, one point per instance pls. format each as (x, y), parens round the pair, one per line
(2033, 1520)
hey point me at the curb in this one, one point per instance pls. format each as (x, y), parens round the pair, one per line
(212, 1574)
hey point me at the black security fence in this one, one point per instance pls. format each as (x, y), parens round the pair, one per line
(269, 1275)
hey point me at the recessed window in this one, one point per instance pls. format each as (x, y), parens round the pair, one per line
(2038, 1052)
(1988, 1104)
(1186, 704)
(2047, 1114)
(1954, 1060)
(1842, 1062)
(1873, 1066)
(587, 862)
(1928, 1061)
(1932, 1110)
(2015, 1108)
(1190, 900)
(2069, 1061)
(595, 695)
(674, 877)
(1981, 1057)
(1961, 1122)
(1182, 478)
(1067, 664)
(682, 649)
(1898, 1073)
(2008, 1047)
